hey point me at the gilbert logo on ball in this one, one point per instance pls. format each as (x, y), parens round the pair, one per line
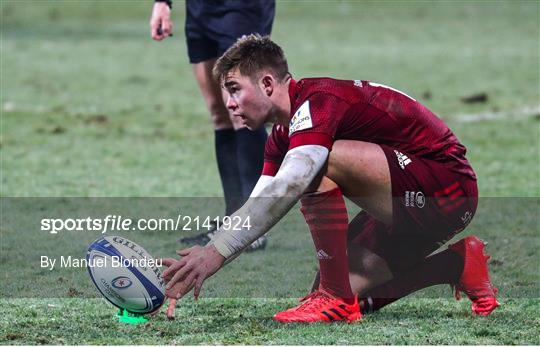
(126, 274)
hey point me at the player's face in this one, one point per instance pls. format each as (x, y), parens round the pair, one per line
(247, 100)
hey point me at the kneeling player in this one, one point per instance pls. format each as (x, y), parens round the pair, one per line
(377, 146)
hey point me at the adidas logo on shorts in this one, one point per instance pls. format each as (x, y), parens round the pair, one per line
(403, 160)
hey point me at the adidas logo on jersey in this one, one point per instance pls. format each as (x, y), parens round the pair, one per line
(403, 160)
(322, 255)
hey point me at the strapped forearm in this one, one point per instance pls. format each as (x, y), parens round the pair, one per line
(272, 198)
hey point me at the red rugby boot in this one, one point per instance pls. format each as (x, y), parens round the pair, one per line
(475, 280)
(320, 306)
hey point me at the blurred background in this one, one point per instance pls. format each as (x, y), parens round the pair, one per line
(92, 106)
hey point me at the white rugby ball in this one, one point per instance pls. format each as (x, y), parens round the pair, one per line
(126, 275)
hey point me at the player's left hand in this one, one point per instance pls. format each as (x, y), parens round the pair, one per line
(196, 265)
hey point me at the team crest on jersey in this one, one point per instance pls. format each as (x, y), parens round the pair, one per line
(301, 119)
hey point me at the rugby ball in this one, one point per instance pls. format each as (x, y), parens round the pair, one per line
(126, 275)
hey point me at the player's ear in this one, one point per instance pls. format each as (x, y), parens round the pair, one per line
(268, 83)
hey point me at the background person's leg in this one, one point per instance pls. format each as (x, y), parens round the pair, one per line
(250, 156)
(249, 153)
(225, 136)
(236, 20)
(239, 152)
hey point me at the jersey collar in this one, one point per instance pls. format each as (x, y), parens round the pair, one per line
(292, 93)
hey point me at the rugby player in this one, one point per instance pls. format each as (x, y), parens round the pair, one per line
(371, 143)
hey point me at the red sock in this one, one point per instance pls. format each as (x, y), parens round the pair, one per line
(326, 216)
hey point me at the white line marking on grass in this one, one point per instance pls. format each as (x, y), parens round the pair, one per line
(518, 113)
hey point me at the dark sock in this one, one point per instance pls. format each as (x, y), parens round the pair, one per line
(442, 268)
(326, 216)
(226, 148)
(250, 154)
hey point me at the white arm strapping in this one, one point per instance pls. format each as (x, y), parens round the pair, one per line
(272, 198)
(261, 184)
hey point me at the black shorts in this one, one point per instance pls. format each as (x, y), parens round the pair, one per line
(431, 204)
(212, 26)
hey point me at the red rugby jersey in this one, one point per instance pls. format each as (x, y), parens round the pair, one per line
(324, 110)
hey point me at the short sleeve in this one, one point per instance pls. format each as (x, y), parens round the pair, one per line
(275, 150)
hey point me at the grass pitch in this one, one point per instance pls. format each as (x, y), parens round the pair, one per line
(92, 107)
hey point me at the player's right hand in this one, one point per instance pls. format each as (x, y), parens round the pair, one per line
(160, 22)
(178, 290)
